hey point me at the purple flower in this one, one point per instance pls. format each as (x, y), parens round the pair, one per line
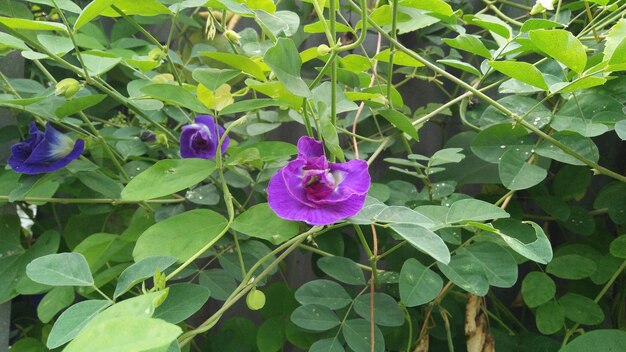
(313, 190)
(44, 152)
(199, 139)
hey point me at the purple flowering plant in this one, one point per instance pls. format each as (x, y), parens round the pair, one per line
(44, 152)
(191, 204)
(316, 191)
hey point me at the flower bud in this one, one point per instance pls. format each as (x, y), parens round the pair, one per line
(232, 36)
(161, 139)
(67, 87)
(155, 54)
(323, 50)
(163, 78)
(255, 299)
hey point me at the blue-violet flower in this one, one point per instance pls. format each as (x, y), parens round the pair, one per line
(200, 139)
(44, 152)
(313, 190)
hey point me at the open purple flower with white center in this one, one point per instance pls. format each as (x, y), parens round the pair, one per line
(313, 190)
(200, 139)
(44, 152)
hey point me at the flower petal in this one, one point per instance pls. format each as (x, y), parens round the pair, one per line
(309, 148)
(40, 168)
(288, 207)
(352, 178)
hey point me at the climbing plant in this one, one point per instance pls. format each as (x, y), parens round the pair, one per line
(239, 175)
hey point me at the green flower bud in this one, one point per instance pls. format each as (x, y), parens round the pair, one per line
(163, 78)
(323, 50)
(67, 87)
(155, 54)
(232, 36)
(161, 139)
(255, 299)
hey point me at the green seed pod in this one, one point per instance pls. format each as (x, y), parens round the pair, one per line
(255, 299)
(67, 87)
(323, 50)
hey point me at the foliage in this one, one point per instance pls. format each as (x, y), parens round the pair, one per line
(134, 248)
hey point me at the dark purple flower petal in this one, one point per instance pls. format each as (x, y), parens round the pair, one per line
(309, 148)
(44, 152)
(200, 139)
(288, 207)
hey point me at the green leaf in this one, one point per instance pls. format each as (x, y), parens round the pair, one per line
(174, 95)
(571, 267)
(597, 340)
(248, 106)
(571, 182)
(474, 210)
(56, 44)
(401, 122)
(418, 284)
(73, 320)
(220, 283)
(498, 264)
(466, 272)
(461, 65)
(534, 113)
(9, 41)
(578, 84)
(213, 78)
(614, 39)
(521, 71)
(549, 318)
(239, 62)
(342, 269)
(73, 106)
(402, 215)
(323, 292)
(145, 8)
(97, 65)
(314, 317)
(387, 312)
(285, 62)
(180, 236)
(271, 335)
(63, 269)
(358, 336)
(494, 141)
(167, 177)
(141, 270)
(517, 174)
(327, 345)
(490, 23)
(182, 301)
(539, 250)
(618, 247)
(100, 183)
(584, 146)
(53, 302)
(537, 289)
(400, 58)
(30, 25)
(124, 334)
(538, 23)
(260, 221)
(581, 309)
(562, 46)
(424, 240)
(436, 6)
(91, 11)
(469, 43)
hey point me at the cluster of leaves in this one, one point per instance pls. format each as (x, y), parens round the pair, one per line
(127, 243)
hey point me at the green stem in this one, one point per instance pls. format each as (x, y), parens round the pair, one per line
(392, 49)
(114, 201)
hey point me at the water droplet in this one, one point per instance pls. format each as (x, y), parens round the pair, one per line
(502, 146)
